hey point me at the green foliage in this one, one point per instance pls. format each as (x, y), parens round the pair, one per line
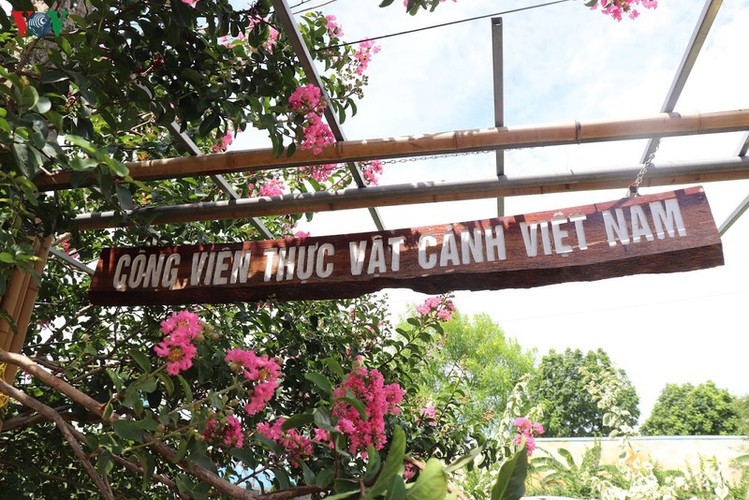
(570, 410)
(475, 368)
(688, 410)
(741, 406)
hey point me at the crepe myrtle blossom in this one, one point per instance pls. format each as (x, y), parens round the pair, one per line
(191, 3)
(223, 142)
(368, 386)
(225, 431)
(371, 170)
(442, 308)
(180, 330)
(263, 370)
(526, 432)
(616, 8)
(297, 447)
(363, 55)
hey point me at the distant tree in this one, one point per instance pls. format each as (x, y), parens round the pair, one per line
(570, 410)
(475, 370)
(742, 410)
(686, 410)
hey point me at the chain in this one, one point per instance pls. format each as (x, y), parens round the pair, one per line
(632, 192)
(435, 157)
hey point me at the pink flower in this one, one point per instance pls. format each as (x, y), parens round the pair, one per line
(616, 8)
(371, 170)
(319, 173)
(379, 400)
(526, 431)
(226, 432)
(306, 99)
(223, 142)
(363, 55)
(317, 134)
(409, 472)
(428, 413)
(261, 369)
(272, 187)
(297, 446)
(180, 329)
(334, 29)
(191, 3)
(301, 234)
(443, 308)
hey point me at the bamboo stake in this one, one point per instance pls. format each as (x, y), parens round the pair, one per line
(661, 125)
(26, 306)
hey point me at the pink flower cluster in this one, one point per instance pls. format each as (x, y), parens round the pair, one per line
(320, 173)
(428, 415)
(371, 171)
(223, 142)
(180, 330)
(379, 400)
(191, 3)
(526, 432)
(616, 8)
(317, 134)
(297, 446)
(334, 29)
(444, 308)
(224, 431)
(307, 100)
(363, 55)
(272, 187)
(261, 369)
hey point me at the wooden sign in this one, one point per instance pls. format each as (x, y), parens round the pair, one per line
(661, 233)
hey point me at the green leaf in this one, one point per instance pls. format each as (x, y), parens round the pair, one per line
(185, 388)
(80, 142)
(320, 381)
(79, 164)
(432, 483)
(309, 476)
(397, 489)
(29, 97)
(392, 465)
(464, 460)
(54, 76)
(356, 404)
(322, 419)
(385, 3)
(107, 413)
(168, 384)
(373, 464)
(148, 464)
(142, 360)
(184, 442)
(324, 477)
(334, 366)
(28, 159)
(129, 430)
(297, 421)
(7, 258)
(104, 463)
(43, 105)
(510, 483)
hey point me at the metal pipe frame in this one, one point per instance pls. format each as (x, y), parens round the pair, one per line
(425, 192)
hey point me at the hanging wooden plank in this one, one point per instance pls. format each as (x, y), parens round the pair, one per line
(668, 232)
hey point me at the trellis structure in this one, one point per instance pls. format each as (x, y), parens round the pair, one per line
(19, 298)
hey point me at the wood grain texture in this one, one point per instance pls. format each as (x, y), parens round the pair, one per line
(583, 243)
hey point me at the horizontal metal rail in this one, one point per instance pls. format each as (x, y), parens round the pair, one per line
(426, 192)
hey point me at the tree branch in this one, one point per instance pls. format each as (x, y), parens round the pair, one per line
(66, 431)
(97, 409)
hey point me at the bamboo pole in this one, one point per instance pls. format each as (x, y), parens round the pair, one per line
(24, 303)
(660, 125)
(424, 192)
